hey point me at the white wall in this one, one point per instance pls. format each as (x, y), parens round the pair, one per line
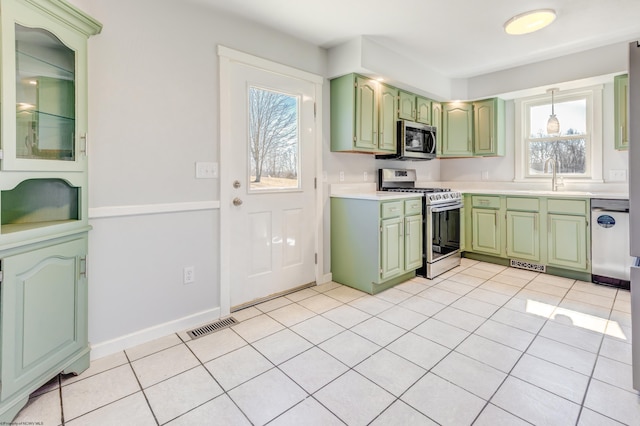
(153, 112)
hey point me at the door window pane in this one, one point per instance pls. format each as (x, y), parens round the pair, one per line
(273, 140)
(45, 96)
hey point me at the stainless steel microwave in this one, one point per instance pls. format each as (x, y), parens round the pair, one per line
(416, 141)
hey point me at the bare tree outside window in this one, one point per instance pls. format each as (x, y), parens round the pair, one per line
(569, 148)
(273, 140)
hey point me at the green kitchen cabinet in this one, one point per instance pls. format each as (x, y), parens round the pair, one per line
(523, 228)
(457, 129)
(621, 111)
(363, 115)
(487, 215)
(375, 244)
(568, 236)
(549, 232)
(472, 129)
(43, 196)
(414, 108)
(387, 134)
(523, 235)
(489, 127)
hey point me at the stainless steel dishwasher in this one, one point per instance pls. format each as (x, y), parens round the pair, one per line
(610, 259)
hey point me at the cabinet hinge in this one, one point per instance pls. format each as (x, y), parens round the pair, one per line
(315, 183)
(314, 110)
(316, 260)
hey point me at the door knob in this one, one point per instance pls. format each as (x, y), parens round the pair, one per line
(237, 201)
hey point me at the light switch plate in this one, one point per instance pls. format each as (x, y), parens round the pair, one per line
(206, 170)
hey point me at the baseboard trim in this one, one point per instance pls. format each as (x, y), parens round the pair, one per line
(142, 336)
(326, 278)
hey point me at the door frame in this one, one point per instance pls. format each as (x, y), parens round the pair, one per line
(226, 57)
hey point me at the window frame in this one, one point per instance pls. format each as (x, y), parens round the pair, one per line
(593, 148)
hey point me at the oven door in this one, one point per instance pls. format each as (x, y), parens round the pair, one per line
(442, 237)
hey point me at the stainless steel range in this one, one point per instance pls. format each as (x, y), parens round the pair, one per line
(441, 209)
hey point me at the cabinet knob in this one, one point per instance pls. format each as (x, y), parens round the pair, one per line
(236, 184)
(237, 201)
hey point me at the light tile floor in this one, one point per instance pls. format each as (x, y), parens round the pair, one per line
(482, 345)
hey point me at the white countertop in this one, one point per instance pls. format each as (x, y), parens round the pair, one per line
(367, 191)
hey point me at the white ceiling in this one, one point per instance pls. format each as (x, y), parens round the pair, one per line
(456, 38)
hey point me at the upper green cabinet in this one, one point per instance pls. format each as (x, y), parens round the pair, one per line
(489, 127)
(44, 85)
(363, 115)
(472, 128)
(413, 107)
(621, 112)
(456, 132)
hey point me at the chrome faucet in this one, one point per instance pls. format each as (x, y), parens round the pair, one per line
(554, 177)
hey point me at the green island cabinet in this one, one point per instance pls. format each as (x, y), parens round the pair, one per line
(363, 115)
(472, 128)
(43, 196)
(550, 231)
(621, 111)
(375, 244)
(414, 107)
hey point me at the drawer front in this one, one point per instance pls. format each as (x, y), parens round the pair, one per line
(412, 207)
(576, 207)
(489, 202)
(526, 204)
(392, 209)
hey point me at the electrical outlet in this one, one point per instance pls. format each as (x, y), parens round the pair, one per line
(341, 176)
(617, 175)
(188, 274)
(206, 170)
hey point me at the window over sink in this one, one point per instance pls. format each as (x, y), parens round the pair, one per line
(576, 149)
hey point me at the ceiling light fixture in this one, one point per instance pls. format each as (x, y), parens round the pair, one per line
(529, 22)
(553, 125)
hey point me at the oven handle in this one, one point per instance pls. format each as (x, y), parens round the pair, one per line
(438, 209)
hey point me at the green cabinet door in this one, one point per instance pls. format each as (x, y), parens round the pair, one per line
(366, 135)
(457, 129)
(44, 313)
(488, 127)
(621, 112)
(406, 106)
(523, 235)
(486, 231)
(436, 121)
(387, 135)
(391, 247)
(413, 242)
(567, 242)
(423, 110)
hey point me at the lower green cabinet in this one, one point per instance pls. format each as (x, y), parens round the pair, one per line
(375, 244)
(523, 235)
(549, 231)
(44, 317)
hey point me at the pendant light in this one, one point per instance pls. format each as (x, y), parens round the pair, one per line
(553, 125)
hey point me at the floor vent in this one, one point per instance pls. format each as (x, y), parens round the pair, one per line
(528, 266)
(212, 328)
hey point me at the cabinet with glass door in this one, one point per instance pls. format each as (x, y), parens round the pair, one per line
(43, 195)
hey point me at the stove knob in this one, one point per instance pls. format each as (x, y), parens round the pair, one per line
(438, 197)
(445, 195)
(432, 197)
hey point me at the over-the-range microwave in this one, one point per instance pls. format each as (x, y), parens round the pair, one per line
(416, 141)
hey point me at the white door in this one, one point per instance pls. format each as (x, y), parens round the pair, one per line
(270, 195)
